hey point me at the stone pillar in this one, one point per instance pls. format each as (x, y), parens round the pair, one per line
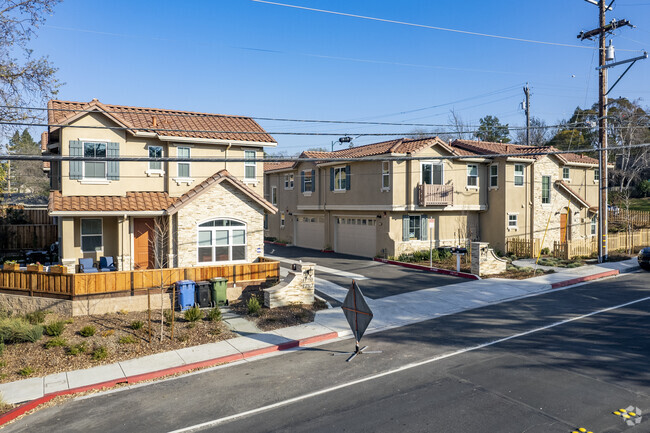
(484, 261)
(297, 288)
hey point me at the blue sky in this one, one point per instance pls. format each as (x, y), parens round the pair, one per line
(249, 58)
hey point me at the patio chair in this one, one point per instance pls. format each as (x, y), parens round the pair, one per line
(106, 264)
(86, 266)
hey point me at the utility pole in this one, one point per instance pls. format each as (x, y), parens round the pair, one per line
(527, 111)
(605, 54)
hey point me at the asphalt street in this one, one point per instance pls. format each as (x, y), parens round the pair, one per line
(383, 279)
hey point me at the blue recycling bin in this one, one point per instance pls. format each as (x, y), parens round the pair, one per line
(185, 289)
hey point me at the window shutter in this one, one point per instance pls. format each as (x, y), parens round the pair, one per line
(313, 180)
(332, 179)
(302, 181)
(424, 228)
(405, 228)
(76, 167)
(347, 177)
(113, 167)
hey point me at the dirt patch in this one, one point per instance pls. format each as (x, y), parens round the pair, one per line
(517, 273)
(269, 319)
(113, 332)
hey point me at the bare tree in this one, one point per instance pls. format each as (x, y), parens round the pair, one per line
(539, 133)
(159, 243)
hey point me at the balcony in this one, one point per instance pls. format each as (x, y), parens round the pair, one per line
(435, 195)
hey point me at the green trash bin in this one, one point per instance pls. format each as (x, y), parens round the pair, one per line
(219, 291)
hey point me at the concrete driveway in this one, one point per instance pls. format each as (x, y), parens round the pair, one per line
(377, 280)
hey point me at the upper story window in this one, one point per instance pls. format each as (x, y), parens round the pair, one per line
(250, 166)
(472, 175)
(274, 196)
(91, 234)
(494, 176)
(566, 173)
(512, 221)
(288, 181)
(594, 222)
(340, 178)
(94, 169)
(221, 240)
(155, 152)
(385, 175)
(183, 167)
(596, 175)
(307, 181)
(546, 189)
(519, 174)
(432, 173)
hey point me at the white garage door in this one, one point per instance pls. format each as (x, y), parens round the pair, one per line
(310, 232)
(357, 236)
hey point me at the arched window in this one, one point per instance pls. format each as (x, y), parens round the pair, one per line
(221, 240)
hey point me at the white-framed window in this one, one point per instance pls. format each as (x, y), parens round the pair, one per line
(266, 221)
(594, 225)
(91, 235)
(274, 196)
(221, 240)
(282, 219)
(494, 176)
(183, 167)
(385, 175)
(566, 173)
(519, 174)
(308, 180)
(155, 152)
(94, 169)
(415, 227)
(250, 165)
(512, 221)
(596, 175)
(472, 175)
(288, 181)
(432, 173)
(546, 189)
(340, 178)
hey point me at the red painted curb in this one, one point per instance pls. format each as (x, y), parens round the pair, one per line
(26, 407)
(426, 268)
(276, 243)
(583, 279)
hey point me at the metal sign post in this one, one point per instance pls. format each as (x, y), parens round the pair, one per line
(358, 314)
(431, 226)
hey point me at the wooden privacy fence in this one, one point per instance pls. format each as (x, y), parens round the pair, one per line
(521, 247)
(622, 241)
(125, 282)
(636, 218)
(27, 236)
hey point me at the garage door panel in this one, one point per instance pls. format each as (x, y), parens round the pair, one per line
(310, 233)
(356, 236)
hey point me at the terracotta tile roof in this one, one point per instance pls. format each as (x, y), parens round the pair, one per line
(220, 176)
(488, 147)
(574, 194)
(44, 139)
(132, 202)
(270, 166)
(139, 119)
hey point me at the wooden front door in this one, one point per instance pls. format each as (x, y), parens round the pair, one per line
(563, 220)
(143, 243)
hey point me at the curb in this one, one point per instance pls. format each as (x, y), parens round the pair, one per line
(583, 279)
(276, 243)
(426, 268)
(26, 407)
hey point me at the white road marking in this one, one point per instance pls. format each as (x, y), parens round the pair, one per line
(215, 422)
(322, 268)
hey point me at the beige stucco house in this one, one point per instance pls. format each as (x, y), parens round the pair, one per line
(147, 212)
(382, 205)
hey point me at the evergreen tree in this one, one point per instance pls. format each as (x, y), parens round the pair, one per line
(491, 129)
(27, 176)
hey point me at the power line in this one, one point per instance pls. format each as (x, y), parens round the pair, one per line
(404, 23)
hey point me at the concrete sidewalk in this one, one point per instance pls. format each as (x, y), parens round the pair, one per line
(389, 312)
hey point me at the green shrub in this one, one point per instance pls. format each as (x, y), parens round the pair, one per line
(26, 371)
(214, 314)
(127, 339)
(169, 314)
(54, 329)
(193, 314)
(99, 353)
(87, 331)
(35, 317)
(2, 347)
(574, 265)
(18, 330)
(253, 305)
(138, 324)
(56, 342)
(546, 251)
(77, 349)
(444, 254)
(435, 256)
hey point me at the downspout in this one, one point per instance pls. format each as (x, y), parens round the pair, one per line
(530, 205)
(225, 159)
(409, 192)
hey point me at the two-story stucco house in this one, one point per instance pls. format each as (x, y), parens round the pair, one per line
(381, 205)
(147, 213)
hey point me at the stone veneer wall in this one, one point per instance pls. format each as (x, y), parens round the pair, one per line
(220, 201)
(484, 261)
(297, 288)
